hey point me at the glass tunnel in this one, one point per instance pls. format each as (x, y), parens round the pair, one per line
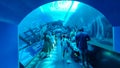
(40, 35)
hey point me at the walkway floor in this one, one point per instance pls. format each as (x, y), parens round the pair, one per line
(55, 60)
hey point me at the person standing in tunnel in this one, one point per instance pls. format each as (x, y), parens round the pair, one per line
(65, 43)
(47, 43)
(81, 42)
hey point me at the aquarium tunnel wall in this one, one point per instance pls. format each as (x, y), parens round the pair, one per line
(48, 18)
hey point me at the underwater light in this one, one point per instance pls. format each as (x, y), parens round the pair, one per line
(64, 5)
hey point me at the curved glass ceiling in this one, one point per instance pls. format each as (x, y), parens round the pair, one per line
(59, 10)
(72, 14)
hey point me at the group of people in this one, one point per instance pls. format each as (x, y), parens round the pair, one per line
(74, 40)
(77, 43)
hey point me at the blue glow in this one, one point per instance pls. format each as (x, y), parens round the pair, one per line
(72, 14)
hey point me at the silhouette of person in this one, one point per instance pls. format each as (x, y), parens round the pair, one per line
(81, 42)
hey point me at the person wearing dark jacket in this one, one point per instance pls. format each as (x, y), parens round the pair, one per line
(81, 42)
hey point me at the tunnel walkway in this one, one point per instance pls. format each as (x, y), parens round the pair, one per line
(55, 60)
